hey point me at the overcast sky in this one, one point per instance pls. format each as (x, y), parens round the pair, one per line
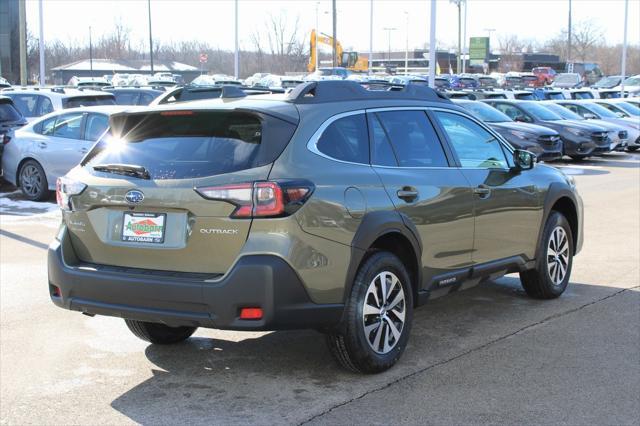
(212, 20)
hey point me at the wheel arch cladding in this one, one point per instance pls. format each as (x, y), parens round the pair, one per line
(385, 230)
(562, 199)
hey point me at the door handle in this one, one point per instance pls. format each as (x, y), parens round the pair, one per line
(482, 191)
(407, 193)
(42, 145)
(83, 150)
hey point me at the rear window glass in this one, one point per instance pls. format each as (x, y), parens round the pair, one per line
(126, 98)
(26, 104)
(8, 112)
(198, 144)
(80, 101)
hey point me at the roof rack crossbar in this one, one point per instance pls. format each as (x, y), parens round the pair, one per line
(345, 90)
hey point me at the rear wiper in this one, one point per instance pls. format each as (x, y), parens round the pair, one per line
(124, 169)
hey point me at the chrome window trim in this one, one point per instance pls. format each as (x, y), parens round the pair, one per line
(312, 145)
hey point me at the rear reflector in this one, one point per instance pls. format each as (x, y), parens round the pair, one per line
(251, 313)
(55, 291)
(174, 113)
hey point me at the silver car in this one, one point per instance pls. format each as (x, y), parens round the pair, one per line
(49, 147)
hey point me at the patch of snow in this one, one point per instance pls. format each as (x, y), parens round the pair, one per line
(13, 208)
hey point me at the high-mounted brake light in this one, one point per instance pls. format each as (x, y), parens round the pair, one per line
(261, 199)
(65, 189)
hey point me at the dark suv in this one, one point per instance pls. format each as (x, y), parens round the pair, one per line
(334, 208)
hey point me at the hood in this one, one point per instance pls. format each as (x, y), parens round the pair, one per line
(525, 127)
(582, 125)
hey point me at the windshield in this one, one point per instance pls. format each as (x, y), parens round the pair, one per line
(9, 113)
(631, 109)
(555, 95)
(192, 144)
(600, 110)
(325, 72)
(632, 81)
(563, 112)
(485, 112)
(539, 112)
(82, 101)
(608, 82)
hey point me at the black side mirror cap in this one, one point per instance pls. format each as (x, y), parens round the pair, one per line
(523, 160)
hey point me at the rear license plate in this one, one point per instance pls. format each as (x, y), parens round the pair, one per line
(143, 227)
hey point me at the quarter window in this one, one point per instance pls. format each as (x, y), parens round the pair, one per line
(474, 146)
(413, 140)
(346, 139)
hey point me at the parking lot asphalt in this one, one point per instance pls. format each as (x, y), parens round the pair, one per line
(485, 355)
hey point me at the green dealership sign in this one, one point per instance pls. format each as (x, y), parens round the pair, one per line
(478, 50)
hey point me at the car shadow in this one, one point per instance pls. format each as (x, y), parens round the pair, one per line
(286, 376)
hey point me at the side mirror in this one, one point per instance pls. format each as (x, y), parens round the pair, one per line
(520, 119)
(589, 116)
(524, 160)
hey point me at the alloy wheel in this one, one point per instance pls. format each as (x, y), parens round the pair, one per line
(31, 180)
(383, 314)
(558, 255)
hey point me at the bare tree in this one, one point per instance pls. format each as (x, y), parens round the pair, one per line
(586, 35)
(510, 53)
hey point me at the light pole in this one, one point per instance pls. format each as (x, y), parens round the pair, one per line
(623, 66)
(236, 56)
(458, 3)
(150, 38)
(388, 30)
(370, 35)
(432, 46)
(41, 45)
(335, 35)
(464, 40)
(316, 37)
(90, 51)
(406, 47)
(569, 37)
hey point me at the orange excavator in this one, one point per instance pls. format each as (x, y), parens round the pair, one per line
(349, 60)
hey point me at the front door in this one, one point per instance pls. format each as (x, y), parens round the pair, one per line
(506, 202)
(430, 194)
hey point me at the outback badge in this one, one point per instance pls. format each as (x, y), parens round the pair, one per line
(134, 196)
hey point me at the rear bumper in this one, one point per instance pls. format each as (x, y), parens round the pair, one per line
(263, 281)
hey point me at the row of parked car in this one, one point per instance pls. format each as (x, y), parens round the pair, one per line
(57, 126)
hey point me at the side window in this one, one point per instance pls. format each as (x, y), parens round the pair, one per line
(583, 111)
(411, 136)
(572, 108)
(69, 126)
(96, 126)
(145, 99)
(45, 106)
(47, 126)
(346, 139)
(475, 146)
(381, 151)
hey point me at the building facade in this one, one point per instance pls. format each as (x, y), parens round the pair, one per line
(9, 41)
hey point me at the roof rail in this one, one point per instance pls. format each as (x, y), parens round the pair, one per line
(345, 90)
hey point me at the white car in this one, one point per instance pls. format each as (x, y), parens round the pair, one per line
(48, 148)
(620, 105)
(34, 102)
(631, 85)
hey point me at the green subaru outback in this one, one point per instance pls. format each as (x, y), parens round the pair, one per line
(333, 207)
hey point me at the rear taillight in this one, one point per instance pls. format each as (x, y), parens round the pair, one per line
(6, 139)
(65, 189)
(261, 199)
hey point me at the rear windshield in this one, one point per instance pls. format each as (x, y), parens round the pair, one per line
(8, 112)
(82, 101)
(198, 144)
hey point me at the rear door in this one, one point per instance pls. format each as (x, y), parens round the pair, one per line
(163, 223)
(506, 202)
(63, 149)
(434, 197)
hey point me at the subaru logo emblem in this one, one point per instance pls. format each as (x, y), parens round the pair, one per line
(134, 196)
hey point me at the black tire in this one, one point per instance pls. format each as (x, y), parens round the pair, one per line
(159, 334)
(349, 345)
(33, 181)
(538, 282)
(632, 148)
